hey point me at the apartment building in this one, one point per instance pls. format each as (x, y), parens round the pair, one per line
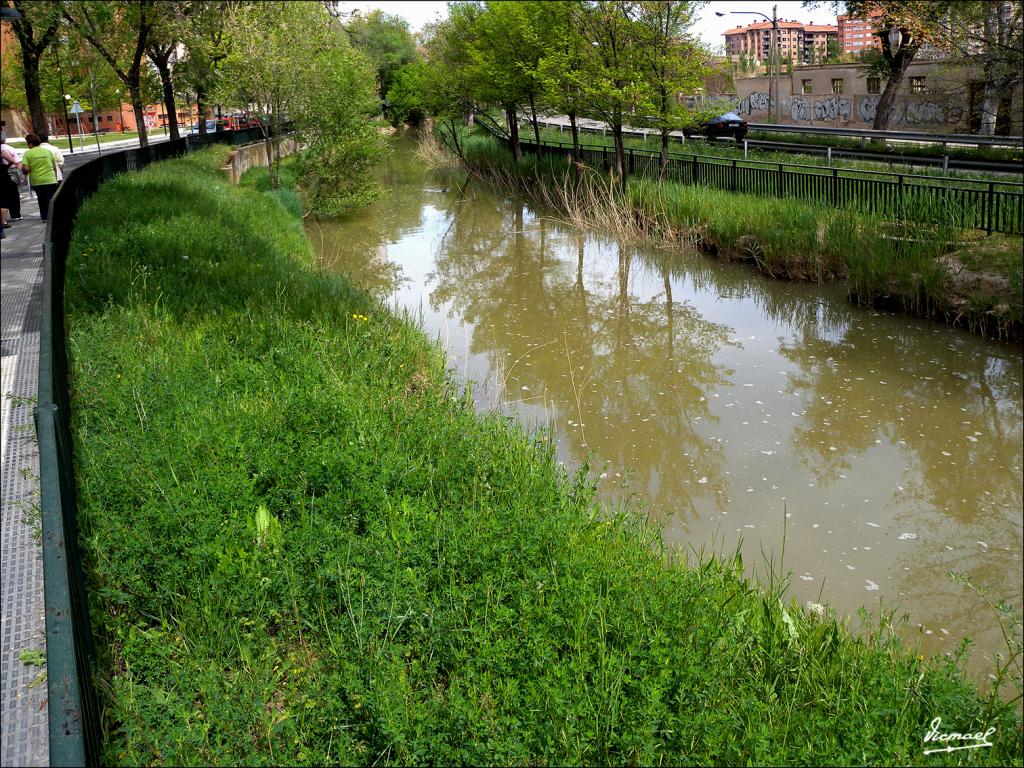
(797, 41)
(858, 34)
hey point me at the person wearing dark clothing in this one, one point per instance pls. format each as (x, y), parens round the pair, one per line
(10, 195)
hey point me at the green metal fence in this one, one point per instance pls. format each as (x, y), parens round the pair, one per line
(992, 206)
(74, 713)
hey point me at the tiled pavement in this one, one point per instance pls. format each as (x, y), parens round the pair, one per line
(23, 717)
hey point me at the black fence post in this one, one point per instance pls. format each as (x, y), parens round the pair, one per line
(733, 175)
(778, 182)
(991, 206)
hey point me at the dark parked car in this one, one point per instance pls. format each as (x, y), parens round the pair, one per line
(728, 125)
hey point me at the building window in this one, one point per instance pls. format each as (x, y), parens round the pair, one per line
(874, 85)
(917, 85)
(837, 85)
(808, 86)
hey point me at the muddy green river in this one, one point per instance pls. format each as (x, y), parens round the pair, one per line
(732, 409)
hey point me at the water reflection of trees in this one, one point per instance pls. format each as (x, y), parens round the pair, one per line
(358, 243)
(565, 307)
(953, 410)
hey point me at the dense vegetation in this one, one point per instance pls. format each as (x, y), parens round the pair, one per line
(304, 547)
(288, 64)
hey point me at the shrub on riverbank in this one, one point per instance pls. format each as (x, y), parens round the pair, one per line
(304, 548)
(916, 266)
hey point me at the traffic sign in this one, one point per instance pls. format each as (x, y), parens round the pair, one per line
(76, 108)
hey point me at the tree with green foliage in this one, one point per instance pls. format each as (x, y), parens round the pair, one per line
(406, 96)
(832, 51)
(169, 22)
(504, 52)
(672, 62)
(447, 82)
(386, 41)
(86, 77)
(561, 68)
(207, 42)
(119, 31)
(614, 83)
(36, 31)
(293, 61)
(519, 34)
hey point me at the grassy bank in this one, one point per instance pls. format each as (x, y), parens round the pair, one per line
(304, 548)
(929, 267)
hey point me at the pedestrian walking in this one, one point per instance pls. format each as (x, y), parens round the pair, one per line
(41, 167)
(10, 196)
(57, 155)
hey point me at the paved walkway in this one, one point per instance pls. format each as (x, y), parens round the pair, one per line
(23, 718)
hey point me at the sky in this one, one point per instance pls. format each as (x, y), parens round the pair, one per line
(708, 27)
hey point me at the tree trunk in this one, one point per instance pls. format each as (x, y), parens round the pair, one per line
(268, 148)
(30, 65)
(663, 170)
(169, 104)
(513, 131)
(140, 114)
(897, 67)
(536, 126)
(664, 130)
(990, 101)
(575, 138)
(276, 141)
(453, 129)
(32, 48)
(620, 151)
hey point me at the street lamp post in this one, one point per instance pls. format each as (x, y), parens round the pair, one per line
(120, 114)
(95, 125)
(64, 103)
(773, 63)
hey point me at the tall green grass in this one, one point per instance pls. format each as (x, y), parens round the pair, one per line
(303, 547)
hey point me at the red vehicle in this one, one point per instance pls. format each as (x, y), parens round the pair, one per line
(241, 122)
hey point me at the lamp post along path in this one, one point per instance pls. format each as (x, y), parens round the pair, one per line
(60, 78)
(95, 125)
(774, 60)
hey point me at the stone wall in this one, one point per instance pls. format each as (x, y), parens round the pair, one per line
(807, 97)
(255, 156)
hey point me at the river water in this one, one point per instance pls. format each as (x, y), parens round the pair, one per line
(734, 410)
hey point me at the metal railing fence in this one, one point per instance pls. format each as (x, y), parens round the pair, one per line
(992, 206)
(75, 731)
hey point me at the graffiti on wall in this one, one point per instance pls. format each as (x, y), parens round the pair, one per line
(759, 100)
(911, 113)
(832, 108)
(907, 112)
(799, 108)
(867, 107)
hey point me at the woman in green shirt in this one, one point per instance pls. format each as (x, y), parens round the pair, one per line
(41, 167)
